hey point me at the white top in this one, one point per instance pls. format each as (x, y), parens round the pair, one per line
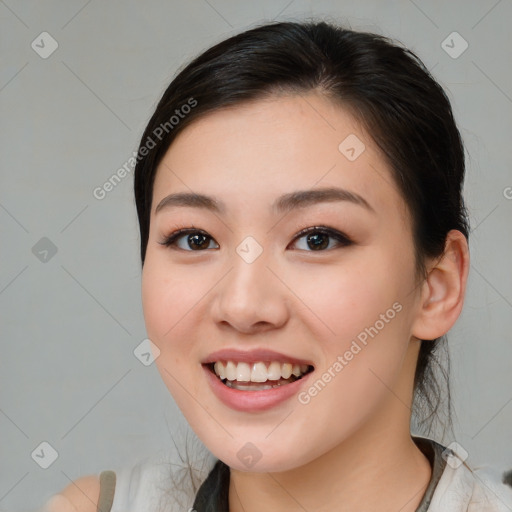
(147, 486)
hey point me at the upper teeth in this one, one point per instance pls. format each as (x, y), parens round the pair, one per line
(258, 372)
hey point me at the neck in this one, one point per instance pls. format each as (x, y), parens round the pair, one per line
(386, 474)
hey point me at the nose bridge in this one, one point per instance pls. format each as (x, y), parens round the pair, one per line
(250, 293)
(250, 273)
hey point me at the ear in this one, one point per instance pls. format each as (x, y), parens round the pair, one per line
(442, 294)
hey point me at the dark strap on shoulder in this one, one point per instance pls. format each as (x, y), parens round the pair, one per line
(213, 494)
(107, 491)
(434, 452)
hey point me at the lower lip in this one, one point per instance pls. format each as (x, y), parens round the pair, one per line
(252, 401)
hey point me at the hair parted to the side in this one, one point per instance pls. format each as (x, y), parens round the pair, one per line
(387, 88)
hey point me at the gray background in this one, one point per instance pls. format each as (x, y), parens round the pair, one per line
(70, 324)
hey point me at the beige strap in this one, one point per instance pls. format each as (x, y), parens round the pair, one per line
(107, 490)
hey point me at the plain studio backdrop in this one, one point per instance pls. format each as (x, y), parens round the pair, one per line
(78, 83)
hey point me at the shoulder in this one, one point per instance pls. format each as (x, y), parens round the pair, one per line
(492, 488)
(468, 488)
(81, 495)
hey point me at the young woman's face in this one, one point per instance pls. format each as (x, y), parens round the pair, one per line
(341, 299)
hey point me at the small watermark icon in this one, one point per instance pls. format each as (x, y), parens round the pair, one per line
(454, 454)
(44, 45)
(507, 192)
(44, 250)
(44, 455)
(454, 45)
(249, 454)
(351, 147)
(146, 352)
(249, 249)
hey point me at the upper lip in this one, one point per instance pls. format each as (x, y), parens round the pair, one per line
(252, 356)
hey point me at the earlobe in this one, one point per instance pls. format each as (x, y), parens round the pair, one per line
(443, 291)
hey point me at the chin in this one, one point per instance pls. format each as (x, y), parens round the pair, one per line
(250, 459)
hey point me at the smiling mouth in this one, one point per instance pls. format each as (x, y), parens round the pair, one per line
(258, 376)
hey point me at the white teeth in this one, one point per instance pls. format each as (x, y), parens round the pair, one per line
(274, 371)
(286, 370)
(230, 370)
(243, 372)
(258, 372)
(219, 370)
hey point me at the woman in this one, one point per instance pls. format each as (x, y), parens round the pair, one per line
(304, 251)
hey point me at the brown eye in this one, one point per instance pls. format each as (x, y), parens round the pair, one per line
(317, 238)
(195, 240)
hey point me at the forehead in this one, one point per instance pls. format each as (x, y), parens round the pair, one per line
(256, 151)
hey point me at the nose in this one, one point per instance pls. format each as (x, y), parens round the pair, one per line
(251, 297)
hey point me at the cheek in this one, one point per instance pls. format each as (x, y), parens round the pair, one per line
(363, 337)
(165, 304)
(348, 299)
(361, 325)
(173, 300)
(167, 295)
(166, 300)
(154, 301)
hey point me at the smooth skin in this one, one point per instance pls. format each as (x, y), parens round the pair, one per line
(82, 495)
(349, 448)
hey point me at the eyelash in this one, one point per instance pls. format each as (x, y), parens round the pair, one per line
(341, 239)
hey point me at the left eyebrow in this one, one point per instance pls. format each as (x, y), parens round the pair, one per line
(304, 198)
(284, 203)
